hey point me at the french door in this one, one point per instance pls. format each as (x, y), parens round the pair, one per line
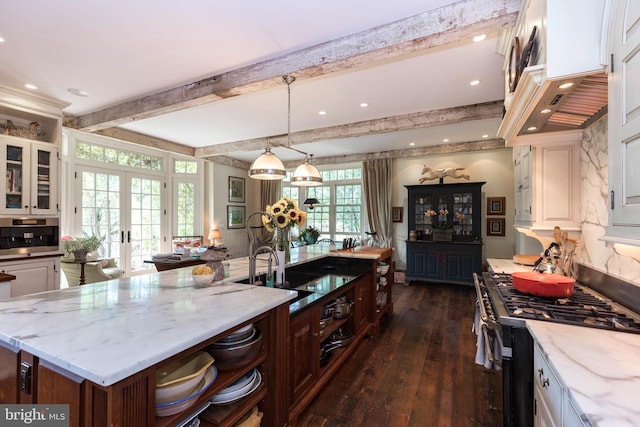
(125, 210)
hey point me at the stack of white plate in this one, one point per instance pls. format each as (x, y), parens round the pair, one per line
(241, 388)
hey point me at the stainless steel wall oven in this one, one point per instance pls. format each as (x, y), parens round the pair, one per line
(29, 235)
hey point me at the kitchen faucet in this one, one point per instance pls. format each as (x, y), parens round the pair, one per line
(253, 254)
(252, 273)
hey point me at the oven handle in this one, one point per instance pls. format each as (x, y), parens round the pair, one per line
(488, 347)
(488, 324)
(483, 312)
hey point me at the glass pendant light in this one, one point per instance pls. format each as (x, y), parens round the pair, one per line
(267, 167)
(306, 175)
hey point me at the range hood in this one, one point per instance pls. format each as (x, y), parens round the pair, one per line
(561, 83)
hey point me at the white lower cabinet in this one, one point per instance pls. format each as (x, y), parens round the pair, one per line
(33, 275)
(547, 393)
(552, 403)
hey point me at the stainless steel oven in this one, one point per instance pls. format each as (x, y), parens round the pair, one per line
(29, 235)
(516, 360)
(505, 311)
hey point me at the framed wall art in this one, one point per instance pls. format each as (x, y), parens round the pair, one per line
(396, 214)
(495, 205)
(236, 189)
(495, 226)
(235, 216)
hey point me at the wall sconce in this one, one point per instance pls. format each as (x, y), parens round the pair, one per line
(311, 202)
(214, 235)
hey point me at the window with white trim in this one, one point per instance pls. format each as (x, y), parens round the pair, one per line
(339, 214)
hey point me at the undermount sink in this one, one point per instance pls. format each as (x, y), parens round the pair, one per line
(302, 293)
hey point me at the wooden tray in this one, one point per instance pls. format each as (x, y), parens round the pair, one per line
(525, 259)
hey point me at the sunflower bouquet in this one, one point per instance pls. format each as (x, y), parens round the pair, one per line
(285, 214)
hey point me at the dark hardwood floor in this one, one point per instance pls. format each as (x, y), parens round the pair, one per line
(419, 371)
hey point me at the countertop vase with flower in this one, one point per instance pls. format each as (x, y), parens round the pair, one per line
(285, 215)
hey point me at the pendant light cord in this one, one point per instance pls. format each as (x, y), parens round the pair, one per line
(288, 79)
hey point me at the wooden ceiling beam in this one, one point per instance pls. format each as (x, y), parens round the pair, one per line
(450, 24)
(487, 110)
(147, 141)
(453, 148)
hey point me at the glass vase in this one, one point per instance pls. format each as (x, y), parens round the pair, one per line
(284, 255)
(283, 243)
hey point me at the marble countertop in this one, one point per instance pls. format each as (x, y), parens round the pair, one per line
(110, 330)
(599, 368)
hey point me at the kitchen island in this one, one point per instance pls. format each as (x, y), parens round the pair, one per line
(96, 347)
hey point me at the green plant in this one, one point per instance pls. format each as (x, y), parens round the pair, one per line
(309, 234)
(88, 244)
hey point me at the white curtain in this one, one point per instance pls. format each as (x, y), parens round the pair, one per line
(377, 178)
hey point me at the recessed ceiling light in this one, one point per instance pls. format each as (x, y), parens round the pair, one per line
(485, 136)
(479, 38)
(322, 113)
(474, 82)
(411, 144)
(78, 92)
(30, 86)
(445, 140)
(545, 111)
(565, 85)
(532, 128)
(1, 39)
(364, 104)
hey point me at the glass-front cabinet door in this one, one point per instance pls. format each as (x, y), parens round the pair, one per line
(30, 185)
(450, 211)
(462, 218)
(15, 165)
(44, 188)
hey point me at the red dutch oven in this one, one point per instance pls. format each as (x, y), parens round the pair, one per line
(543, 284)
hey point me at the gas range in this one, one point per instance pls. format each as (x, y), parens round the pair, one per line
(584, 308)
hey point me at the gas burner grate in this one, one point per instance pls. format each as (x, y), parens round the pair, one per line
(581, 309)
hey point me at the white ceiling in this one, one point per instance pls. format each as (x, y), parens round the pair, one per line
(123, 50)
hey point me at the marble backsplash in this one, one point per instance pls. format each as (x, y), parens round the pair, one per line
(593, 252)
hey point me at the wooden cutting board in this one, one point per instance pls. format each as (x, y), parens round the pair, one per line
(525, 259)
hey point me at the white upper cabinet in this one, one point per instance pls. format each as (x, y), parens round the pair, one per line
(30, 133)
(547, 187)
(624, 123)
